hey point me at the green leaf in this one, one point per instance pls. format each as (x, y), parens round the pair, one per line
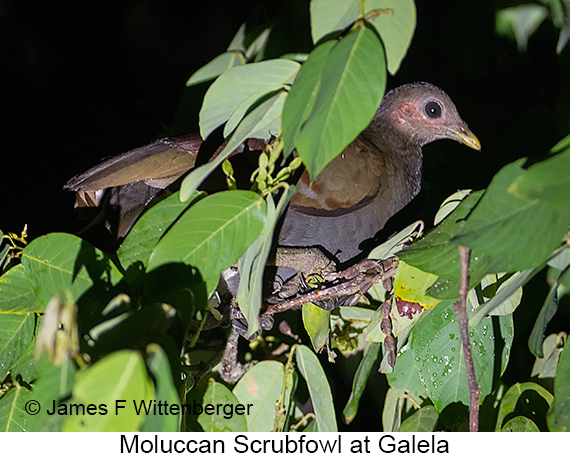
(561, 145)
(216, 67)
(302, 94)
(16, 294)
(396, 28)
(524, 399)
(411, 284)
(545, 367)
(166, 393)
(28, 367)
(237, 84)
(118, 381)
(329, 16)
(558, 416)
(405, 375)
(13, 414)
(438, 351)
(317, 324)
(352, 86)
(213, 234)
(545, 315)
(435, 253)
(449, 205)
(399, 405)
(218, 394)
(520, 424)
(547, 181)
(392, 410)
(248, 104)
(261, 388)
(423, 420)
(16, 334)
(504, 293)
(266, 121)
(520, 22)
(519, 232)
(253, 262)
(150, 227)
(261, 122)
(371, 352)
(319, 389)
(397, 242)
(59, 261)
(53, 386)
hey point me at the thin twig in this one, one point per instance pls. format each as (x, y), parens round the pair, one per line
(460, 309)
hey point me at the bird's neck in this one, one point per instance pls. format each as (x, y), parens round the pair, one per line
(403, 156)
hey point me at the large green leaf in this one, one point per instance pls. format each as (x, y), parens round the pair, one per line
(237, 84)
(329, 16)
(524, 399)
(558, 416)
(396, 25)
(15, 410)
(16, 294)
(16, 334)
(406, 375)
(216, 67)
(520, 424)
(423, 420)
(253, 262)
(547, 181)
(154, 222)
(261, 387)
(436, 253)
(302, 95)
(371, 352)
(53, 386)
(118, 382)
(319, 389)
(212, 234)
(394, 20)
(165, 392)
(59, 261)
(223, 415)
(438, 351)
(517, 230)
(352, 86)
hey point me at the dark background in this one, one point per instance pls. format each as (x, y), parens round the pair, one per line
(81, 81)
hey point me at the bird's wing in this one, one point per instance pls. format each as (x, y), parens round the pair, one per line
(158, 164)
(349, 181)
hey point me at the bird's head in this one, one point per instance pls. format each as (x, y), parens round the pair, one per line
(420, 113)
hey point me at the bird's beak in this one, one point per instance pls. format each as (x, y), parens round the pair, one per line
(462, 134)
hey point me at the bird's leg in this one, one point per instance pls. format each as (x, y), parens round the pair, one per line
(306, 262)
(349, 286)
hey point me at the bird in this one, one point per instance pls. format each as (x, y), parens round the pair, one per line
(375, 176)
(354, 196)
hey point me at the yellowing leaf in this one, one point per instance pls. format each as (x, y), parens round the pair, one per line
(411, 284)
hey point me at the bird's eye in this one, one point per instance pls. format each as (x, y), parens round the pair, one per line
(433, 109)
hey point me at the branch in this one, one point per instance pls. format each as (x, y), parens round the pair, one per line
(460, 309)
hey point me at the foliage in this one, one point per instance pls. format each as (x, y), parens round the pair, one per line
(83, 330)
